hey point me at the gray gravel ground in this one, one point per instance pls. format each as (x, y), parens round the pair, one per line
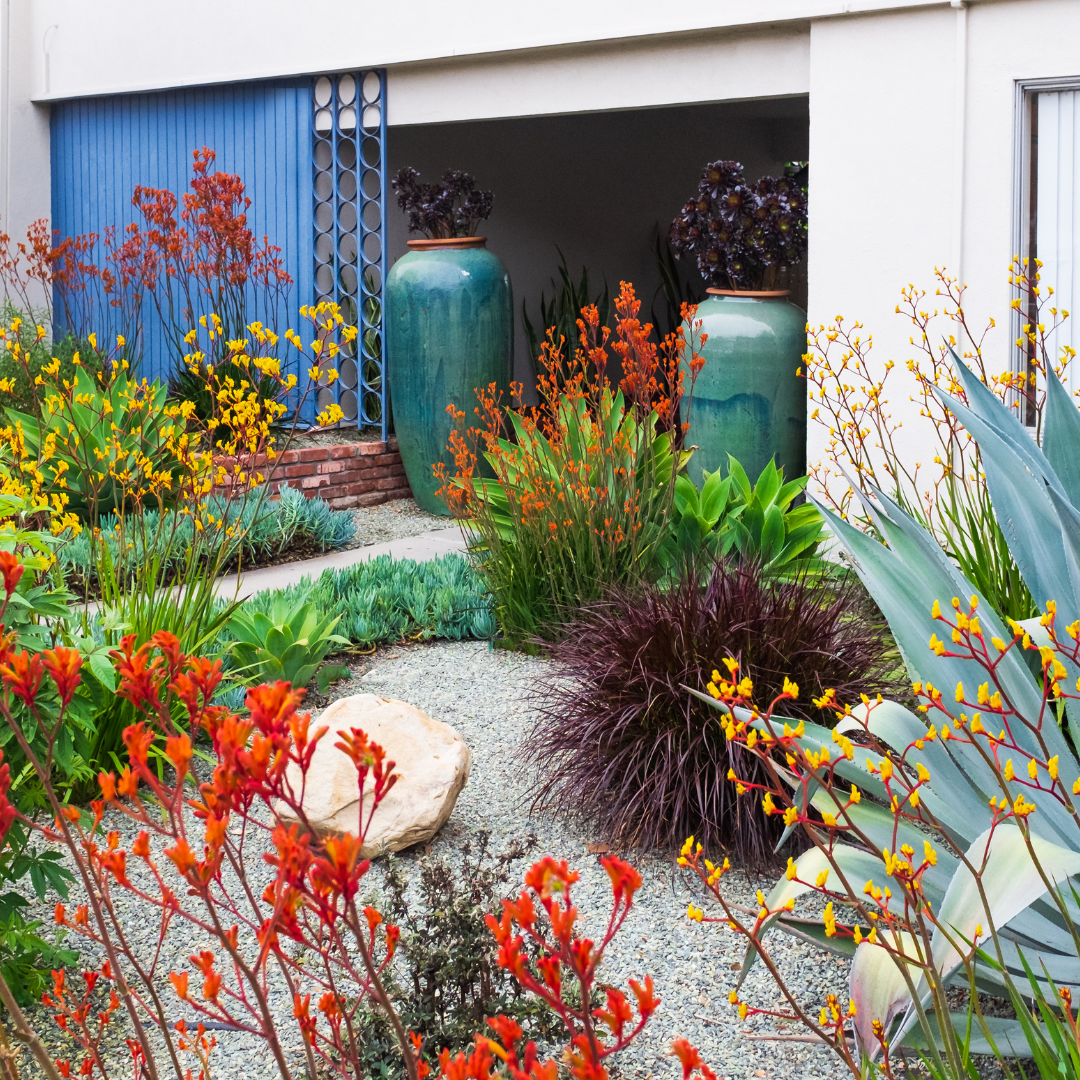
(484, 694)
(393, 520)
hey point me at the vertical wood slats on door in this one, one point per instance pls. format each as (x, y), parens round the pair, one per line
(103, 147)
(1057, 219)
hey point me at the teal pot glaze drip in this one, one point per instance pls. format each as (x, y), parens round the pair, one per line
(449, 330)
(749, 400)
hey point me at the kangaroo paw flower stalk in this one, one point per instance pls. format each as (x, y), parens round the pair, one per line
(916, 907)
(573, 494)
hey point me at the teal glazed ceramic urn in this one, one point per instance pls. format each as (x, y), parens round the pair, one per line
(449, 330)
(749, 400)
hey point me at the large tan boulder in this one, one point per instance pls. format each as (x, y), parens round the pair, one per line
(431, 763)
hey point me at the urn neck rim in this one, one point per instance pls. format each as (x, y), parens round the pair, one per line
(753, 294)
(426, 244)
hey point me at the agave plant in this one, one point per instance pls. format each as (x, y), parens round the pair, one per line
(755, 522)
(1006, 864)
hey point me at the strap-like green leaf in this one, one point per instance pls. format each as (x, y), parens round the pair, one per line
(740, 481)
(1008, 1035)
(772, 534)
(1017, 475)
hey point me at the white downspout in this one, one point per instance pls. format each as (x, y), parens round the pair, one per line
(5, 113)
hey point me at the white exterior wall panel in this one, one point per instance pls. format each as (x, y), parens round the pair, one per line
(114, 46)
(881, 179)
(912, 105)
(913, 165)
(730, 65)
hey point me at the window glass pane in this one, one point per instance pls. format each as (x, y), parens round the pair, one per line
(1057, 214)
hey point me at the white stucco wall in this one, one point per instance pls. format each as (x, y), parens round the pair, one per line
(108, 46)
(912, 165)
(881, 153)
(1021, 40)
(24, 128)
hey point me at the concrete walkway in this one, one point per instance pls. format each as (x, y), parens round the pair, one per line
(420, 548)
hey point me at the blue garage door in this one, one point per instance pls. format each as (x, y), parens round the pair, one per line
(300, 157)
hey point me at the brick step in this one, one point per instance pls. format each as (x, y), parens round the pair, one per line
(345, 475)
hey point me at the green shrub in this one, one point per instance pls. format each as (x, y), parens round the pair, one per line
(92, 443)
(26, 958)
(584, 484)
(38, 352)
(755, 523)
(111, 451)
(40, 614)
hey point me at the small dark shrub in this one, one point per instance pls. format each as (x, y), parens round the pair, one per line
(452, 207)
(626, 746)
(448, 980)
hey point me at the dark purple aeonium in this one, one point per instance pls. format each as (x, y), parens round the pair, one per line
(742, 235)
(453, 207)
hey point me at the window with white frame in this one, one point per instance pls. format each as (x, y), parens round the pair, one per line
(1051, 224)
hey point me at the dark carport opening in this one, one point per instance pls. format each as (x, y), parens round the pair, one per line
(596, 185)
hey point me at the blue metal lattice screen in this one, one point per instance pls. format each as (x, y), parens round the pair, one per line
(103, 147)
(348, 128)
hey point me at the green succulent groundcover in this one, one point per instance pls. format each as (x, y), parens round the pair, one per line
(386, 599)
(261, 528)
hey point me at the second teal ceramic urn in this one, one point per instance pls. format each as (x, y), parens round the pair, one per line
(449, 330)
(749, 400)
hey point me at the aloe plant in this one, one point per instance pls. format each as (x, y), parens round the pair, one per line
(1015, 878)
(287, 642)
(729, 515)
